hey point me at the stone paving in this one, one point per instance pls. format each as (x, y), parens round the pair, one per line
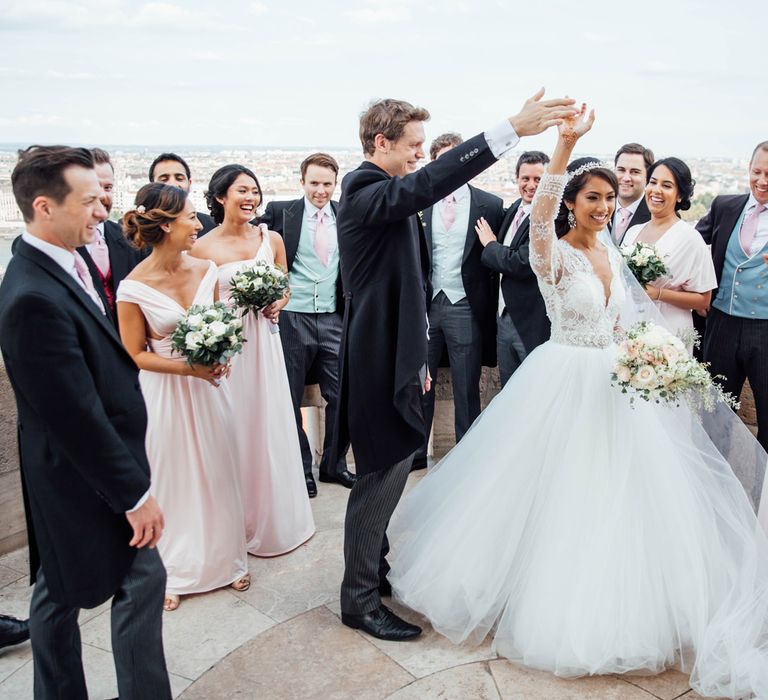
(282, 639)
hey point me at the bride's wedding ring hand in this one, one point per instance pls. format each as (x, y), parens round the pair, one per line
(484, 232)
(574, 127)
(538, 115)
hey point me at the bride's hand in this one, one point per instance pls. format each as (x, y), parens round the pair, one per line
(573, 128)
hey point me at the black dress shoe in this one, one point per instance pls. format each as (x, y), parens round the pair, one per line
(345, 478)
(382, 624)
(13, 631)
(385, 588)
(311, 487)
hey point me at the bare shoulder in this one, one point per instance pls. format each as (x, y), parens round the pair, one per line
(138, 273)
(204, 246)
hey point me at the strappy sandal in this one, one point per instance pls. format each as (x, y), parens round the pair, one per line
(171, 602)
(242, 584)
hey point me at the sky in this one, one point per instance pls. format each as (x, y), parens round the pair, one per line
(685, 78)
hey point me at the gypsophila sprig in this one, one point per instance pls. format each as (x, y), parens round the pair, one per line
(654, 365)
(209, 334)
(644, 262)
(258, 286)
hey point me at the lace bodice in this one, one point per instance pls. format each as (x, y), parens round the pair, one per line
(574, 295)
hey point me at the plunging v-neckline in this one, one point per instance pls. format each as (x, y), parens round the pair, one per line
(607, 289)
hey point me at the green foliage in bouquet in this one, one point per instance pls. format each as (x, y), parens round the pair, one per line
(644, 262)
(258, 286)
(208, 335)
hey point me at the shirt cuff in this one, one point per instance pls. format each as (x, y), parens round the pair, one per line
(139, 503)
(501, 138)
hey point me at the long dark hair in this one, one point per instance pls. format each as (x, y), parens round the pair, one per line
(576, 184)
(220, 182)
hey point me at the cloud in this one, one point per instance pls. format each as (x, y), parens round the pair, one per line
(379, 14)
(257, 8)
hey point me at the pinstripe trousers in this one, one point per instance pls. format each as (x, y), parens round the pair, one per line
(137, 637)
(737, 348)
(370, 506)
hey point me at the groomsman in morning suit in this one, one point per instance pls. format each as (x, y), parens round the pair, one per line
(736, 335)
(462, 308)
(310, 325)
(522, 322)
(172, 169)
(91, 521)
(383, 357)
(110, 257)
(632, 164)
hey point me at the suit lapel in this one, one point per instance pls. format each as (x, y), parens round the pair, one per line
(522, 233)
(426, 220)
(95, 278)
(54, 270)
(476, 210)
(509, 217)
(292, 220)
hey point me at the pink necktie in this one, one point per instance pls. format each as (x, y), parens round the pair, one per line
(85, 277)
(100, 254)
(749, 228)
(519, 216)
(448, 212)
(321, 239)
(620, 229)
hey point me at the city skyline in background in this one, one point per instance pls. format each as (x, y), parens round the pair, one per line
(683, 78)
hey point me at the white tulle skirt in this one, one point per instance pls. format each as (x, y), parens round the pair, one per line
(590, 537)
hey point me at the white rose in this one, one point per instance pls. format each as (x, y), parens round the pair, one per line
(194, 321)
(233, 339)
(670, 352)
(193, 340)
(258, 284)
(210, 341)
(645, 377)
(236, 323)
(218, 329)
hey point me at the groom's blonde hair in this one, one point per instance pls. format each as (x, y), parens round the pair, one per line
(387, 117)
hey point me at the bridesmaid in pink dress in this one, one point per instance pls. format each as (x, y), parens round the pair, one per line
(278, 516)
(690, 277)
(190, 442)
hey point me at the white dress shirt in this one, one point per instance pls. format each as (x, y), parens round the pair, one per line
(761, 234)
(632, 209)
(507, 240)
(66, 260)
(310, 221)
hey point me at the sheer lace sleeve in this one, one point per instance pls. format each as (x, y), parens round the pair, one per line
(544, 255)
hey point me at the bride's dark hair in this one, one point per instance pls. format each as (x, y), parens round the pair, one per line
(576, 184)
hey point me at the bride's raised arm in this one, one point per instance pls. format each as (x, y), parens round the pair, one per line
(546, 203)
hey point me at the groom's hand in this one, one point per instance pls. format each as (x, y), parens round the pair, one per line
(537, 115)
(147, 523)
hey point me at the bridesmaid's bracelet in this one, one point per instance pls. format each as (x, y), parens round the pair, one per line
(658, 298)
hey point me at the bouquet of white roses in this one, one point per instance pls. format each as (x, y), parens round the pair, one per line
(208, 335)
(644, 262)
(654, 364)
(258, 286)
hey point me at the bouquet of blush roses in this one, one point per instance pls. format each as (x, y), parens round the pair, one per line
(644, 262)
(255, 287)
(208, 335)
(654, 364)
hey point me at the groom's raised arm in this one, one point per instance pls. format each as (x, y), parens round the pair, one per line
(372, 197)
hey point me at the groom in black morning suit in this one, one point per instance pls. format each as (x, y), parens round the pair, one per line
(462, 323)
(310, 325)
(92, 523)
(385, 271)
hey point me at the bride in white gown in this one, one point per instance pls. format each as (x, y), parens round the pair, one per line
(590, 537)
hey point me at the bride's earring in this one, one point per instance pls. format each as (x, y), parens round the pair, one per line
(571, 219)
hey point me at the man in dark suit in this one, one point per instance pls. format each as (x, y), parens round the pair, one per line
(110, 257)
(172, 169)
(736, 335)
(310, 325)
(633, 162)
(463, 296)
(385, 270)
(91, 521)
(522, 322)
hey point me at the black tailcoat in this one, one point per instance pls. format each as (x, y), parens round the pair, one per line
(82, 424)
(717, 226)
(480, 285)
(385, 268)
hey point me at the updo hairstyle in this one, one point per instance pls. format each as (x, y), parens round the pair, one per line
(220, 182)
(681, 174)
(156, 204)
(576, 184)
